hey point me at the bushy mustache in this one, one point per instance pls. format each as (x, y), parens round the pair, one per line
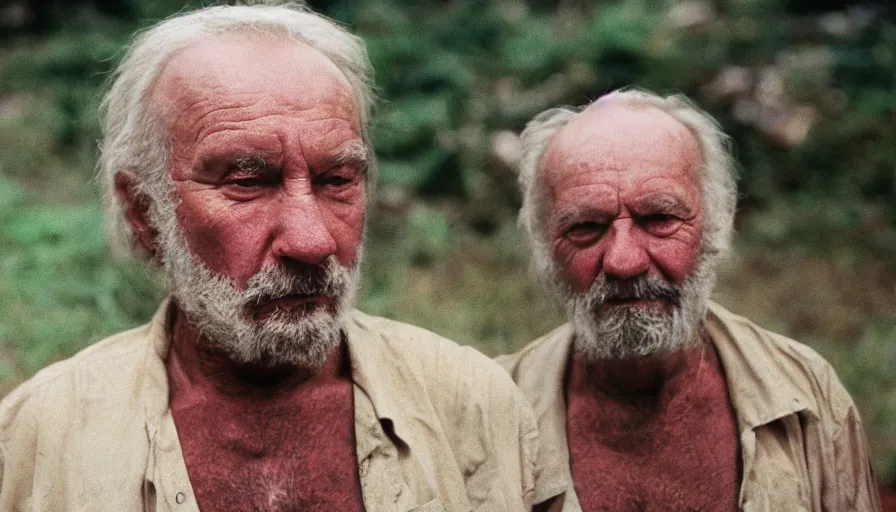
(640, 288)
(328, 280)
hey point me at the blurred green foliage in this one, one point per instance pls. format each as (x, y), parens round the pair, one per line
(871, 379)
(806, 89)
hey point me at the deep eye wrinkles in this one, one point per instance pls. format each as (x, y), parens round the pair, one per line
(248, 176)
(347, 167)
(659, 224)
(585, 233)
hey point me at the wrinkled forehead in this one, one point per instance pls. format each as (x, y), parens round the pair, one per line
(234, 65)
(613, 135)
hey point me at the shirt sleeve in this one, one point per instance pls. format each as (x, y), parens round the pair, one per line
(18, 446)
(844, 479)
(854, 486)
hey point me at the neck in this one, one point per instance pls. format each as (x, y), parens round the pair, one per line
(656, 378)
(196, 363)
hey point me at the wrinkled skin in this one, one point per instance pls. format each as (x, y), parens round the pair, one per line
(669, 447)
(303, 206)
(654, 432)
(265, 135)
(625, 199)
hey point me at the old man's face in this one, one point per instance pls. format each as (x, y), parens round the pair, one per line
(268, 166)
(625, 222)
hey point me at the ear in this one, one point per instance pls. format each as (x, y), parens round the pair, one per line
(136, 211)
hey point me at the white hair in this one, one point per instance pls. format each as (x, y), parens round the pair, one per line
(134, 137)
(717, 171)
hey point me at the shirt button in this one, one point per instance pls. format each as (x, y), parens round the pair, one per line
(180, 498)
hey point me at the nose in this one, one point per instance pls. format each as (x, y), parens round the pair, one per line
(624, 256)
(303, 234)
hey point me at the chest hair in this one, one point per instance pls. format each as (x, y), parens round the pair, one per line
(275, 454)
(683, 455)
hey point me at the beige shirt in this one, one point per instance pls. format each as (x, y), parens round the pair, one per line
(802, 442)
(437, 427)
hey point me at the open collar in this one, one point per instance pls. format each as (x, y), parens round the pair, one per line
(364, 355)
(760, 377)
(539, 370)
(166, 470)
(366, 359)
(379, 423)
(756, 375)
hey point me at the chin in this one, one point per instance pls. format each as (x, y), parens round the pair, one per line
(283, 338)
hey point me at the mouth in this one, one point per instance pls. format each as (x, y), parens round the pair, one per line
(293, 305)
(637, 303)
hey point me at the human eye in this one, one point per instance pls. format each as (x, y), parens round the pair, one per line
(247, 188)
(334, 180)
(659, 224)
(338, 178)
(585, 233)
(249, 177)
(249, 181)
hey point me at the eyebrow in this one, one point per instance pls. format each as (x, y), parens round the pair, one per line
(354, 154)
(252, 164)
(570, 216)
(665, 204)
(244, 161)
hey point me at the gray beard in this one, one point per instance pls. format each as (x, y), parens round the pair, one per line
(223, 314)
(624, 332)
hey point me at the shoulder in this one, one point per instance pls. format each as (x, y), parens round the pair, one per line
(64, 418)
(773, 377)
(416, 351)
(548, 348)
(428, 373)
(61, 387)
(538, 368)
(779, 364)
(442, 392)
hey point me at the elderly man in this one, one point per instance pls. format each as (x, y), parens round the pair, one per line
(236, 152)
(652, 397)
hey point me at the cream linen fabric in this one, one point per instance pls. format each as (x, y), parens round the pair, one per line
(802, 442)
(438, 427)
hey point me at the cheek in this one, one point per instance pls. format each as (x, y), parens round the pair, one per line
(676, 263)
(228, 240)
(676, 257)
(578, 265)
(346, 226)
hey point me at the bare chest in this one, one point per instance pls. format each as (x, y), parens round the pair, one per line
(698, 477)
(272, 457)
(685, 459)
